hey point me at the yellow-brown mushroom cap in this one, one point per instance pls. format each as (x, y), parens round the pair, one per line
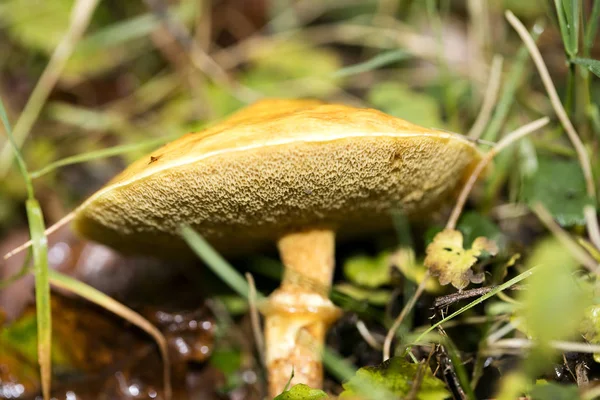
(275, 167)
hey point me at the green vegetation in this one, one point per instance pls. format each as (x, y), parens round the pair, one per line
(499, 300)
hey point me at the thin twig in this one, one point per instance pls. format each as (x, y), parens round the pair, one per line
(80, 17)
(51, 229)
(517, 343)
(387, 344)
(367, 335)
(577, 251)
(501, 145)
(489, 99)
(584, 159)
(255, 318)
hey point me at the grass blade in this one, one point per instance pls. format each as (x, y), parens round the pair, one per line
(216, 262)
(509, 90)
(591, 30)
(566, 10)
(80, 17)
(477, 301)
(97, 297)
(42, 292)
(590, 64)
(94, 155)
(40, 259)
(376, 62)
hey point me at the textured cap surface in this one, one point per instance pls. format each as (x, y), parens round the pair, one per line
(275, 167)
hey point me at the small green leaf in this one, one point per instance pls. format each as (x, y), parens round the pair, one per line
(371, 272)
(472, 225)
(592, 65)
(560, 186)
(379, 297)
(554, 391)
(398, 376)
(227, 360)
(302, 392)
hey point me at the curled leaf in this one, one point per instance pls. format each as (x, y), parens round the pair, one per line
(447, 259)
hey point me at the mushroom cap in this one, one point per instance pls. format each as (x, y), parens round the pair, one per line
(276, 167)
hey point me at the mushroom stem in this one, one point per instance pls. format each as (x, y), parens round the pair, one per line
(299, 312)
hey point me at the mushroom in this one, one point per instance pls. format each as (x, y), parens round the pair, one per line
(291, 172)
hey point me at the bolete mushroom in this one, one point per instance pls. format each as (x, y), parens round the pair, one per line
(294, 172)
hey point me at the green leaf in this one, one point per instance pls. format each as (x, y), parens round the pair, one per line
(379, 297)
(592, 65)
(560, 186)
(473, 224)
(554, 391)
(38, 25)
(302, 392)
(399, 377)
(554, 304)
(371, 272)
(399, 100)
(227, 360)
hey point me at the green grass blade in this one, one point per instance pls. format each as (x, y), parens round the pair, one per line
(40, 259)
(97, 297)
(590, 64)
(94, 155)
(512, 83)
(216, 262)
(374, 63)
(48, 79)
(25, 269)
(571, 8)
(17, 154)
(479, 300)
(42, 292)
(591, 30)
(564, 11)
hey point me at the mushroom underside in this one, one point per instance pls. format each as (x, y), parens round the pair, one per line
(243, 201)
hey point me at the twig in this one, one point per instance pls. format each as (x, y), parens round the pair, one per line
(517, 343)
(584, 159)
(501, 145)
(578, 252)
(255, 318)
(80, 17)
(366, 335)
(53, 228)
(489, 99)
(387, 344)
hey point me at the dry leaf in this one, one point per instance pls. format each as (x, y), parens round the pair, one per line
(451, 263)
